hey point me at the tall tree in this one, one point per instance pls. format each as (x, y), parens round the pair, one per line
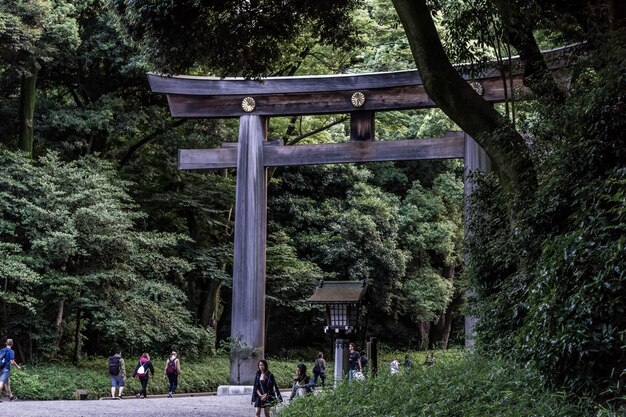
(72, 236)
(34, 32)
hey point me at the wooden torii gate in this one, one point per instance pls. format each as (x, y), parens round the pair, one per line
(254, 102)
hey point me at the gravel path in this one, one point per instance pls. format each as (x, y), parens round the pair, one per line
(207, 406)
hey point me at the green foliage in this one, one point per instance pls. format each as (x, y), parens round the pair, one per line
(231, 37)
(564, 312)
(426, 294)
(432, 232)
(459, 384)
(289, 277)
(350, 234)
(47, 381)
(71, 238)
(340, 219)
(386, 47)
(36, 28)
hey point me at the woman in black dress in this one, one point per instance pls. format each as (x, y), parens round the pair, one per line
(265, 392)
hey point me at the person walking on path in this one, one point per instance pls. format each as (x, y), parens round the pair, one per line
(265, 391)
(319, 369)
(301, 383)
(354, 362)
(7, 358)
(172, 371)
(117, 371)
(142, 371)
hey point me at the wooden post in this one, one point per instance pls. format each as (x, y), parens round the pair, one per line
(373, 355)
(340, 360)
(248, 313)
(475, 159)
(362, 125)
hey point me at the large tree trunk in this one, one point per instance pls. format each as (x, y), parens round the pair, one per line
(440, 330)
(461, 103)
(424, 334)
(58, 325)
(76, 355)
(27, 106)
(211, 307)
(537, 77)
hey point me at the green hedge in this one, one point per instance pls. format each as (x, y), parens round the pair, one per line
(56, 382)
(60, 382)
(460, 384)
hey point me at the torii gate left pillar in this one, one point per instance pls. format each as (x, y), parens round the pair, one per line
(248, 291)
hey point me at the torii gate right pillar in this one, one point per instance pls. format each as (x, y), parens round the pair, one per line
(475, 159)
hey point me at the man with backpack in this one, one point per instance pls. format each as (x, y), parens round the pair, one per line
(117, 371)
(7, 358)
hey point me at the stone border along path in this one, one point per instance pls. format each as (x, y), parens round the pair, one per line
(155, 406)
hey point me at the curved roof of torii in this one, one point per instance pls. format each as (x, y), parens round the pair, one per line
(205, 97)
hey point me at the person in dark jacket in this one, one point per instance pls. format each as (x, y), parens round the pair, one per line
(354, 362)
(265, 392)
(301, 383)
(363, 360)
(142, 370)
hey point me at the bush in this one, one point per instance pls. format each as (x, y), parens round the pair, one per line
(548, 272)
(59, 382)
(459, 384)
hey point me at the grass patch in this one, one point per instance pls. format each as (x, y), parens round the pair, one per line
(59, 382)
(460, 384)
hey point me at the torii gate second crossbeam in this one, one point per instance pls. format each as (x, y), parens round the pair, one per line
(253, 102)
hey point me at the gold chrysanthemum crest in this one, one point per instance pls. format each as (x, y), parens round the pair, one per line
(358, 99)
(248, 104)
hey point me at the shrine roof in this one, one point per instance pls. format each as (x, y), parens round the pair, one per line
(338, 292)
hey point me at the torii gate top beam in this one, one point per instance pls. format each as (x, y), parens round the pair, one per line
(211, 97)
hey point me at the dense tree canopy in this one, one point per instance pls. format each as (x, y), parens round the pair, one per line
(108, 213)
(180, 35)
(71, 246)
